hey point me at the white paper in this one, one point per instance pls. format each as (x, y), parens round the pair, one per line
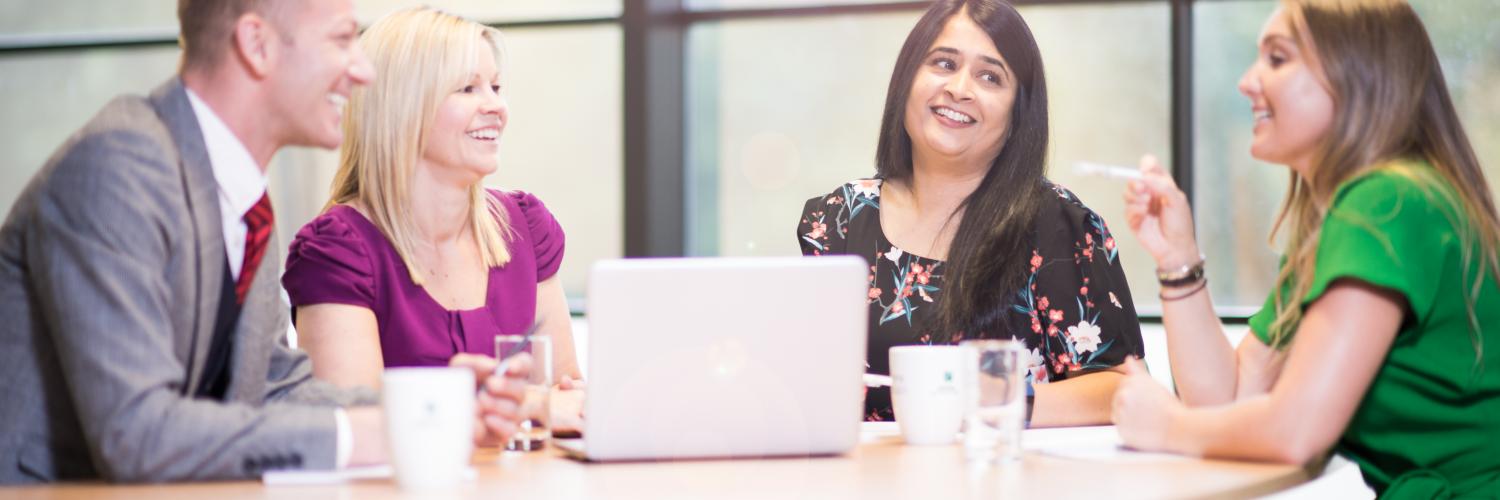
(309, 477)
(1099, 443)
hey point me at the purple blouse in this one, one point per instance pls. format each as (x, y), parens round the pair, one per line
(342, 258)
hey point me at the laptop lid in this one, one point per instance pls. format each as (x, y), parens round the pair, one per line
(725, 357)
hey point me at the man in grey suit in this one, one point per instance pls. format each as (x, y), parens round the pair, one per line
(140, 313)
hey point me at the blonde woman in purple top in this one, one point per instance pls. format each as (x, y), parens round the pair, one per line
(413, 261)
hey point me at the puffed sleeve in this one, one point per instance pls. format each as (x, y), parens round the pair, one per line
(812, 243)
(1086, 315)
(1388, 230)
(329, 263)
(821, 231)
(546, 234)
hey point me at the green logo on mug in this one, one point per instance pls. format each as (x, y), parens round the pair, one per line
(947, 376)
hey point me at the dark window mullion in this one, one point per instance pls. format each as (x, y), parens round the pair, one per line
(655, 169)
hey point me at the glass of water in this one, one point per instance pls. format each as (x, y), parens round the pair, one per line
(996, 413)
(536, 408)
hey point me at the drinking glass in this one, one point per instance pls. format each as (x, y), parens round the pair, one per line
(536, 408)
(997, 397)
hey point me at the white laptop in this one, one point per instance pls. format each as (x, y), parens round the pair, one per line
(723, 357)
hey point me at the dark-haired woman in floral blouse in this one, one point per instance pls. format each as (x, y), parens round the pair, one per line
(964, 235)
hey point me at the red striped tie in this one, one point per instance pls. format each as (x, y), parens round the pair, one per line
(259, 219)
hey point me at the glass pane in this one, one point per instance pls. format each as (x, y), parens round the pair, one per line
(1237, 196)
(49, 95)
(768, 131)
(160, 16)
(769, 4)
(563, 144)
(493, 11)
(84, 16)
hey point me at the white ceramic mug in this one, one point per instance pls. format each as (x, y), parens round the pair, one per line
(927, 392)
(429, 425)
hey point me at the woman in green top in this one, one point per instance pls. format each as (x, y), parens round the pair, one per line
(1380, 341)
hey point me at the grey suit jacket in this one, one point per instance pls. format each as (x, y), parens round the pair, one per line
(111, 263)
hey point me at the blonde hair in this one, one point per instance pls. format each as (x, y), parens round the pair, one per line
(1391, 103)
(421, 54)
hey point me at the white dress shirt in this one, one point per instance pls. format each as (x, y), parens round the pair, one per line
(241, 184)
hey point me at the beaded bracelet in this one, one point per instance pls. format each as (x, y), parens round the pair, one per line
(1202, 283)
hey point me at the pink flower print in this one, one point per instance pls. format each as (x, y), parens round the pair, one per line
(1056, 315)
(924, 278)
(819, 229)
(1036, 325)
(896, 307)
(1084, 291)
(1088, 253)
(906, 291)
(1114, 300)
(1036, 260)
(915, 268)
(1109, 243)
(1088, 238)
(874, 293)
(1043, 304)
(835, 200)
(1052, 330)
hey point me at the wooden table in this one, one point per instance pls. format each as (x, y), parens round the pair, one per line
(880, 467)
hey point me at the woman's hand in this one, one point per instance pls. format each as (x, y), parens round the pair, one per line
(498, 403)
(1143, 409)
(1159, 215)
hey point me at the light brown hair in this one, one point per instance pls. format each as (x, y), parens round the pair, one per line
(1391, 103)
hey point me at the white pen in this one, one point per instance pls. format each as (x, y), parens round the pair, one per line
(504, 364)
(875, 380)
(1106, 170)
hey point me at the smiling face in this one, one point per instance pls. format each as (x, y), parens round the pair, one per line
(320, 64)
(961, 96)
(464, 138)
(1293, 108)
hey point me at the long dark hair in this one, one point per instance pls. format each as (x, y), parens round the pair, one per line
(994, 237)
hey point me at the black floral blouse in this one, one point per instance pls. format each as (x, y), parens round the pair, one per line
(1076, 307)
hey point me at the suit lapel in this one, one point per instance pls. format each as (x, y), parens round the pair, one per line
(259, 328)
(171, 103)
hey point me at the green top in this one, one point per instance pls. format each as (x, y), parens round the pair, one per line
(1430, 422)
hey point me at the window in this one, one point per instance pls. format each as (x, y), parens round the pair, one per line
(782, 110)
